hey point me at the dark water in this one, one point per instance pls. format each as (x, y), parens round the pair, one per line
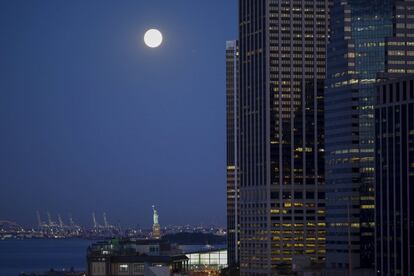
(39, 255)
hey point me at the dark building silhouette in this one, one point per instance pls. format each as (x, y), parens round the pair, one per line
(135, 257)
(282, 47)
(394, 117)
(394, 148)
(232, 145)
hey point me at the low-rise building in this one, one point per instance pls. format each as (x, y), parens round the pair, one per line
(135, 257)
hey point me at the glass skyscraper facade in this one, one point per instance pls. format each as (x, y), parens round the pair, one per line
(399, 49)
(394, 116)
(395, 149)
(370, 41)
(282, 47)
(356, 54)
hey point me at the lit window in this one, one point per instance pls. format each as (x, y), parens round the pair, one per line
(123, 268)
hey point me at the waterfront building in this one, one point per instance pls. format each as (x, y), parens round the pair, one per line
(135, 257)
(153, 257)
(367, 43)
(231, 138)
(211, 261)
(394, 117)
(282, 52)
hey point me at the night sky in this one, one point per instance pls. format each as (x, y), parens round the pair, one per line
(93, 120)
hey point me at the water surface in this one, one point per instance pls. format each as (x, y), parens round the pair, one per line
(40, 255)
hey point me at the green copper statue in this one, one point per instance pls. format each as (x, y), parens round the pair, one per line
(155, 216)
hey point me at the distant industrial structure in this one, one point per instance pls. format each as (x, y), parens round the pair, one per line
(57, 228)
(106, 224)
(8, 228)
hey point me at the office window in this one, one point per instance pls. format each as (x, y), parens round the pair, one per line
(138, 268)
(123, 268)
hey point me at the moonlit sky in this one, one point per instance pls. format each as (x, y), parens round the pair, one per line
(93, 120)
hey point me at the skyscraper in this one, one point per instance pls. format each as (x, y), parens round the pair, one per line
(232, 144)
(394, 125)
(399, 49)
(282, 46)
(394, 116)
(365, 46)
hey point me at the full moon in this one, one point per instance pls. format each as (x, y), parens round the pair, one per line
(153, 38)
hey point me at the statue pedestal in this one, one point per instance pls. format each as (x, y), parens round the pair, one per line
(156, 231)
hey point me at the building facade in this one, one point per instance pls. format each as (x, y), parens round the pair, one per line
(399, 49)
(366, 44)
(232, 57)
(208, 260)
(282, 46)
(394, 116)
(135, 257)
(394, 148)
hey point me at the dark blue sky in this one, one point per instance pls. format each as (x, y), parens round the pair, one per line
(92, 120)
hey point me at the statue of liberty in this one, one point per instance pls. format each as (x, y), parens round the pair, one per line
(155, 216)
(156, 229)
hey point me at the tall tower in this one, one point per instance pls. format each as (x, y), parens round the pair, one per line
(368, 42)
(394, 149)
(282, 47)
(156, 229)
(232, 57)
